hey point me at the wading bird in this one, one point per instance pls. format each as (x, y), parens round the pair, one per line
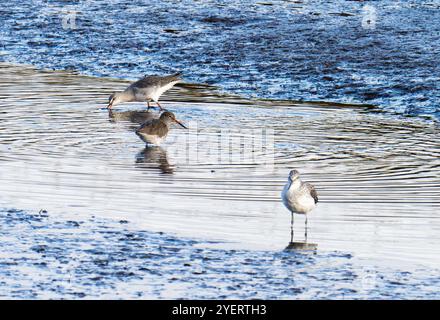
(298, 197)
(147, 89)
(156, 130)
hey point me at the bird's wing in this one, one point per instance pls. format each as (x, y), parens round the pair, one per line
(145, 125)
(153, 127)
(145, 82)
(153, 81)
(312, 191)
(171, 78)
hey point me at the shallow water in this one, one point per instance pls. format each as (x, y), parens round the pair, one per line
(377, 175)
(382, 52)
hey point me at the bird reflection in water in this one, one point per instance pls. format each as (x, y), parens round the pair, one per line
(154, 157)
(294, 246)
(136, 117)
(297, 245)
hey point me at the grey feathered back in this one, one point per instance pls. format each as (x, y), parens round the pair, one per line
(149, 81)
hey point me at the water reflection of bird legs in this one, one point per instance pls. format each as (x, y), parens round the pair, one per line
(299, 245)
(155, 156)
(306, 228)
(291, 227)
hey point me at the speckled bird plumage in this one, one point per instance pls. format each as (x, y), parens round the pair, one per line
(298, 196)
(156, 130)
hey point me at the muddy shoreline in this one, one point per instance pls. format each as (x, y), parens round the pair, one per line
(47, 258)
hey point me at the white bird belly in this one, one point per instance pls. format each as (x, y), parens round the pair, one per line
(152, 139)
(298, 202)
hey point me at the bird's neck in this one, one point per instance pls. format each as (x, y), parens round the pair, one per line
(294, 185)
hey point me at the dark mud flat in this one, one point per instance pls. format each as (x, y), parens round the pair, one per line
(45, 257)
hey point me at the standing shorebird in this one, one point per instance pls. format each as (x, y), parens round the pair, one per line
(156, 130)
(299, 197)
(149, 88)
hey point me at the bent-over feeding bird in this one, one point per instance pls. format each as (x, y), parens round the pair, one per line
(298, 197)
(149, 88)
(156, 130)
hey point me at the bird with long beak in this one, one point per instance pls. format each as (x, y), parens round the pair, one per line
(155, 131)
(298, 197)
(147, 89)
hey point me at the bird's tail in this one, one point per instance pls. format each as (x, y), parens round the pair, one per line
(177, 75)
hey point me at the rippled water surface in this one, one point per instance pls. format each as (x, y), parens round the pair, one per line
(369, 52)
(377, 175)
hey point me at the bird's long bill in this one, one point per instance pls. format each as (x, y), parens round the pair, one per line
(180, 123)
(110, 104)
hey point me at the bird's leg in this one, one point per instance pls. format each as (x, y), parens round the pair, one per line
(148, 104)
(306, 229)
(291, 227)
(157, 102)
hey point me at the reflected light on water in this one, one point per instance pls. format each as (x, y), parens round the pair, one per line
(377, 176)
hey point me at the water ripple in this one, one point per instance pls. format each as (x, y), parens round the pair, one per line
(61, 150)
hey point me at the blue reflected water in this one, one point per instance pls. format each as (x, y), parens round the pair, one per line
(383, 54)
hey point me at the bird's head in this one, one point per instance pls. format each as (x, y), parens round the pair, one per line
(113, 100)
(169, 117)
(293, 175)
